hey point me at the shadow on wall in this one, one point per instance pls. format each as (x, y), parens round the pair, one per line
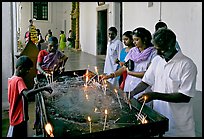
(197, 110)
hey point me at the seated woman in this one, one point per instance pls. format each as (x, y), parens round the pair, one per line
(51, 60)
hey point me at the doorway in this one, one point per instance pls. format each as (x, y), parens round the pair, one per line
(102, 32)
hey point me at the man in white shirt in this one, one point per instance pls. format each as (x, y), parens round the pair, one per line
(114, 48)
(172, 76)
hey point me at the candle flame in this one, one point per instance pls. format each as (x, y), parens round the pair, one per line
(95, 109)
(145, 98)
(144, 121)
(49, 129)
(106, 112)
(74, 73)
(87, 97)
(89, 118)
(87, 72)
(115, 90)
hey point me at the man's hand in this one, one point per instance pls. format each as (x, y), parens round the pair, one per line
(147, 97)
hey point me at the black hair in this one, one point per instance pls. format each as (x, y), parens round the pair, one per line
(164, 38)
(113, 29)
(24, 61)
(144, 34)
(30, 20)
(160, 24)
(53, 40)
(128, 34)
(62, 32)
(38, 30)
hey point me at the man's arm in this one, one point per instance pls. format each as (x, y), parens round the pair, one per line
(172, 97)
(139, 88)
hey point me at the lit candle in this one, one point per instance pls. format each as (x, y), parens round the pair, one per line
(142, 106)
(87, 78)
(118, 98)
(89, 119)
(106, 113)
(49, 129)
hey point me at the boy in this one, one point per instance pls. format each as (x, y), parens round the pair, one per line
(18, 95)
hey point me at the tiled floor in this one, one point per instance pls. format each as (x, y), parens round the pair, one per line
(77, 60)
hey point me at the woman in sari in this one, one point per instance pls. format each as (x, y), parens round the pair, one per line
(51, 60)
(141, 55)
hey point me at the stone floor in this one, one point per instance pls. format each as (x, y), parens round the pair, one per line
(77, 60)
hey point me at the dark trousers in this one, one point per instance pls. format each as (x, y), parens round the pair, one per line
(20, 130)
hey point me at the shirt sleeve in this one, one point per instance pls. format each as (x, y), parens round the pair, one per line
(188, 79)
(21, 85)
(41, 55)
(149, 75)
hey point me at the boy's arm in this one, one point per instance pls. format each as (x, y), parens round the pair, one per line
(28, 93)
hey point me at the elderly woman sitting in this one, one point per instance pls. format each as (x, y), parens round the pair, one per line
(51, 60)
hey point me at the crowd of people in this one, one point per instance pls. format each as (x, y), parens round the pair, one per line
(150, 66)
(157, 73)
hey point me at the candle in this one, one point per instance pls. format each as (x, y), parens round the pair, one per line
(129, 97)
(47, 79)
(106, 113)
(54, 67)
(52, 75)
(105, 85)
(118, 98)
(87, 78)
(49, 129)
(97, 73)
(89, 119)
(142, 106)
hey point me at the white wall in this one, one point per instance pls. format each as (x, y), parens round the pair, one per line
(88, 27)
(7, 54)
(58, 12)
(184, 18)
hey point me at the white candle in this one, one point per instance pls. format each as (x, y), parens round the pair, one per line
(47, 80)
(89, 119)
(97, 73)
(129, 97)
(106, 113)
(142, 107)
(118, 98)
(52, 75)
